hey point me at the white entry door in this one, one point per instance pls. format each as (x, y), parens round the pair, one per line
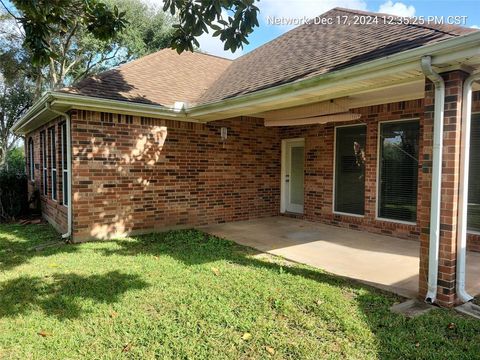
(293, 157)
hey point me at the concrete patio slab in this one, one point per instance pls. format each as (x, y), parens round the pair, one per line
(385, 262)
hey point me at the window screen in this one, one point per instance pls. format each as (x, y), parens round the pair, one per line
(350, 169)
(64, 165)
(473, 219)
(43, 145)
(53, 163)
(398, 171)
(31, 160)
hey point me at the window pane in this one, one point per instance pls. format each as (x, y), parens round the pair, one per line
(53, 148)
(398, 171)
(65, 188)
(44, 162)
(473, 219)
(31, 160)
(54, 184)
(350, 169)
(45, 186)
(296, 175)
(64, 146)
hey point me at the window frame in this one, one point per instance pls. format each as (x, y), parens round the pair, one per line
(44, 165)
(31, 160)
(64, 151)
(53, 163)
(472, 232)
(377, 195)
(334, 178)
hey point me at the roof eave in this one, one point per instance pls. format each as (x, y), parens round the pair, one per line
(63, 102)
(443, 52)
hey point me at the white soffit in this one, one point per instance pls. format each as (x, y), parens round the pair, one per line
(346, 116)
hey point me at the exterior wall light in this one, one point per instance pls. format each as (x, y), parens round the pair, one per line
(224, 133)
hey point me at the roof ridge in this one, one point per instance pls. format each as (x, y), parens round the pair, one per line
(141, 59)
(212, 55)
(424, 26)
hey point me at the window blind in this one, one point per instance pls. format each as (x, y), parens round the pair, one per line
(398, 171)
(350, 169)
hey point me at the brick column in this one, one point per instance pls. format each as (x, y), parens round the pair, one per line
(446, 295)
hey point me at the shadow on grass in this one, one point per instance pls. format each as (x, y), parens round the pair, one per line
(427, 336)
(68, 296)
(61, 295)
(18, 242)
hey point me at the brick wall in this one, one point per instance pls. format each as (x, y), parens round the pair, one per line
(53, 211)
(319, 169)
(133, 174)
(450, 177)
(125, 181)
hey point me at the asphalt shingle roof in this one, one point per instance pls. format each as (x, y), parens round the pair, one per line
(306, 51)
(160, 78)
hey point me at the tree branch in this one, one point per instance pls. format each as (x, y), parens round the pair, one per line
(91, 65)
(8, 10)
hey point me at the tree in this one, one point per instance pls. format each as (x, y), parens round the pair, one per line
(16, 87)
(149, 29)
(76, 51)
(49, 29)
(15, 99)
(231, 20)
(43, 19)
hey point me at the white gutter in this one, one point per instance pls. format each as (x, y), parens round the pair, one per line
(462, 294)
(66, 101)
(435, 202)
(445, 51)
(68, 234)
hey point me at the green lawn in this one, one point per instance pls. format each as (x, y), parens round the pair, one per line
(187, 295)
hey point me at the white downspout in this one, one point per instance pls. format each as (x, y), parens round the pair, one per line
(68, 234)
(435, 203)
(462, 294)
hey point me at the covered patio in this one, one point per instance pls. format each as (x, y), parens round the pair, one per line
(382, 261)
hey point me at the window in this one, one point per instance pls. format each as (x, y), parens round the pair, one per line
(43, 149)
(398, 177)
(64, 165)
(473, 212)
(31, 161)
(53, 163)
(350, 169)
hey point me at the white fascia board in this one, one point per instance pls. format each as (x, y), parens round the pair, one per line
(447, 50)
(65, 102)
(81, 102)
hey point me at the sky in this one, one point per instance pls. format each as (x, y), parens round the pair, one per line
(312, 8)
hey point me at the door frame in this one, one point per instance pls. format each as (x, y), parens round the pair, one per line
(283, 198)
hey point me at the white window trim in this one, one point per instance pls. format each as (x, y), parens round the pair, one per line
(53, 163)
(63, 128)
(377, 198)
(31, 165)
(335, 170)
(44, 163)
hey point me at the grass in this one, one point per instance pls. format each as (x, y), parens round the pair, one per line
(187, 295)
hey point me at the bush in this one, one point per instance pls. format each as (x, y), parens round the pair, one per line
(13, 187)
(16, 160)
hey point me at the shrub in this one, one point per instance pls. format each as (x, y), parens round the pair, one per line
(13, 189)
(16, 160)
